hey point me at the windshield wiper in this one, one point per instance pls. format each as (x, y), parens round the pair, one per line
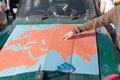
(43, 18)
(74, 18)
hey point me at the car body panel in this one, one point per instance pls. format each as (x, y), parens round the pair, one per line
(30, 46)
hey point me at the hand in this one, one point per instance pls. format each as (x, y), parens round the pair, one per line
(67, 35)
(8, 7)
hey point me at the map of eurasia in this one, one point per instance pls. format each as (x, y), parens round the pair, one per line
(28, 43)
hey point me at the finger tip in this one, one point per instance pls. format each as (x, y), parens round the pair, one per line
(66, 38)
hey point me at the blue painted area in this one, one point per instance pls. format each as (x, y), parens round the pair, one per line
(31, 42)
(20, 29)
(53, 59)
(65, 67)
(17, 47)
(83, 66)
(43, 42)
(7, 72)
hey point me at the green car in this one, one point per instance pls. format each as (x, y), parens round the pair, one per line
(31, 48)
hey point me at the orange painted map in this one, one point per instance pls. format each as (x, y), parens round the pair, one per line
(30, 46)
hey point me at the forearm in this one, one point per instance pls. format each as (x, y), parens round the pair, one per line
(8, 3)
(96, 22)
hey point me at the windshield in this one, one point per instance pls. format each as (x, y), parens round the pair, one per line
(50, 8)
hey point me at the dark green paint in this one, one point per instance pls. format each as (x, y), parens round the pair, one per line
(49, 75)
(109, 56)
(50, 21)
(24, 76)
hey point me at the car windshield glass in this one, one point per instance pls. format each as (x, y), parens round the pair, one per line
(49, 8)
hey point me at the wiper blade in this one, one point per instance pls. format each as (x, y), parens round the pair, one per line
(43, 18)
(74, 18)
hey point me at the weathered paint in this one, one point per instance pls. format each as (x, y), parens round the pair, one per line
(31, 45)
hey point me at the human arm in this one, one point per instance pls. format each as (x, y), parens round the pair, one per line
(67, 35)
(8, 4)
(102, 7)
(97, 22)
(92, 24)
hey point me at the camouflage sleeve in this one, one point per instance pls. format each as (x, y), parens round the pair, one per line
(96, 22)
